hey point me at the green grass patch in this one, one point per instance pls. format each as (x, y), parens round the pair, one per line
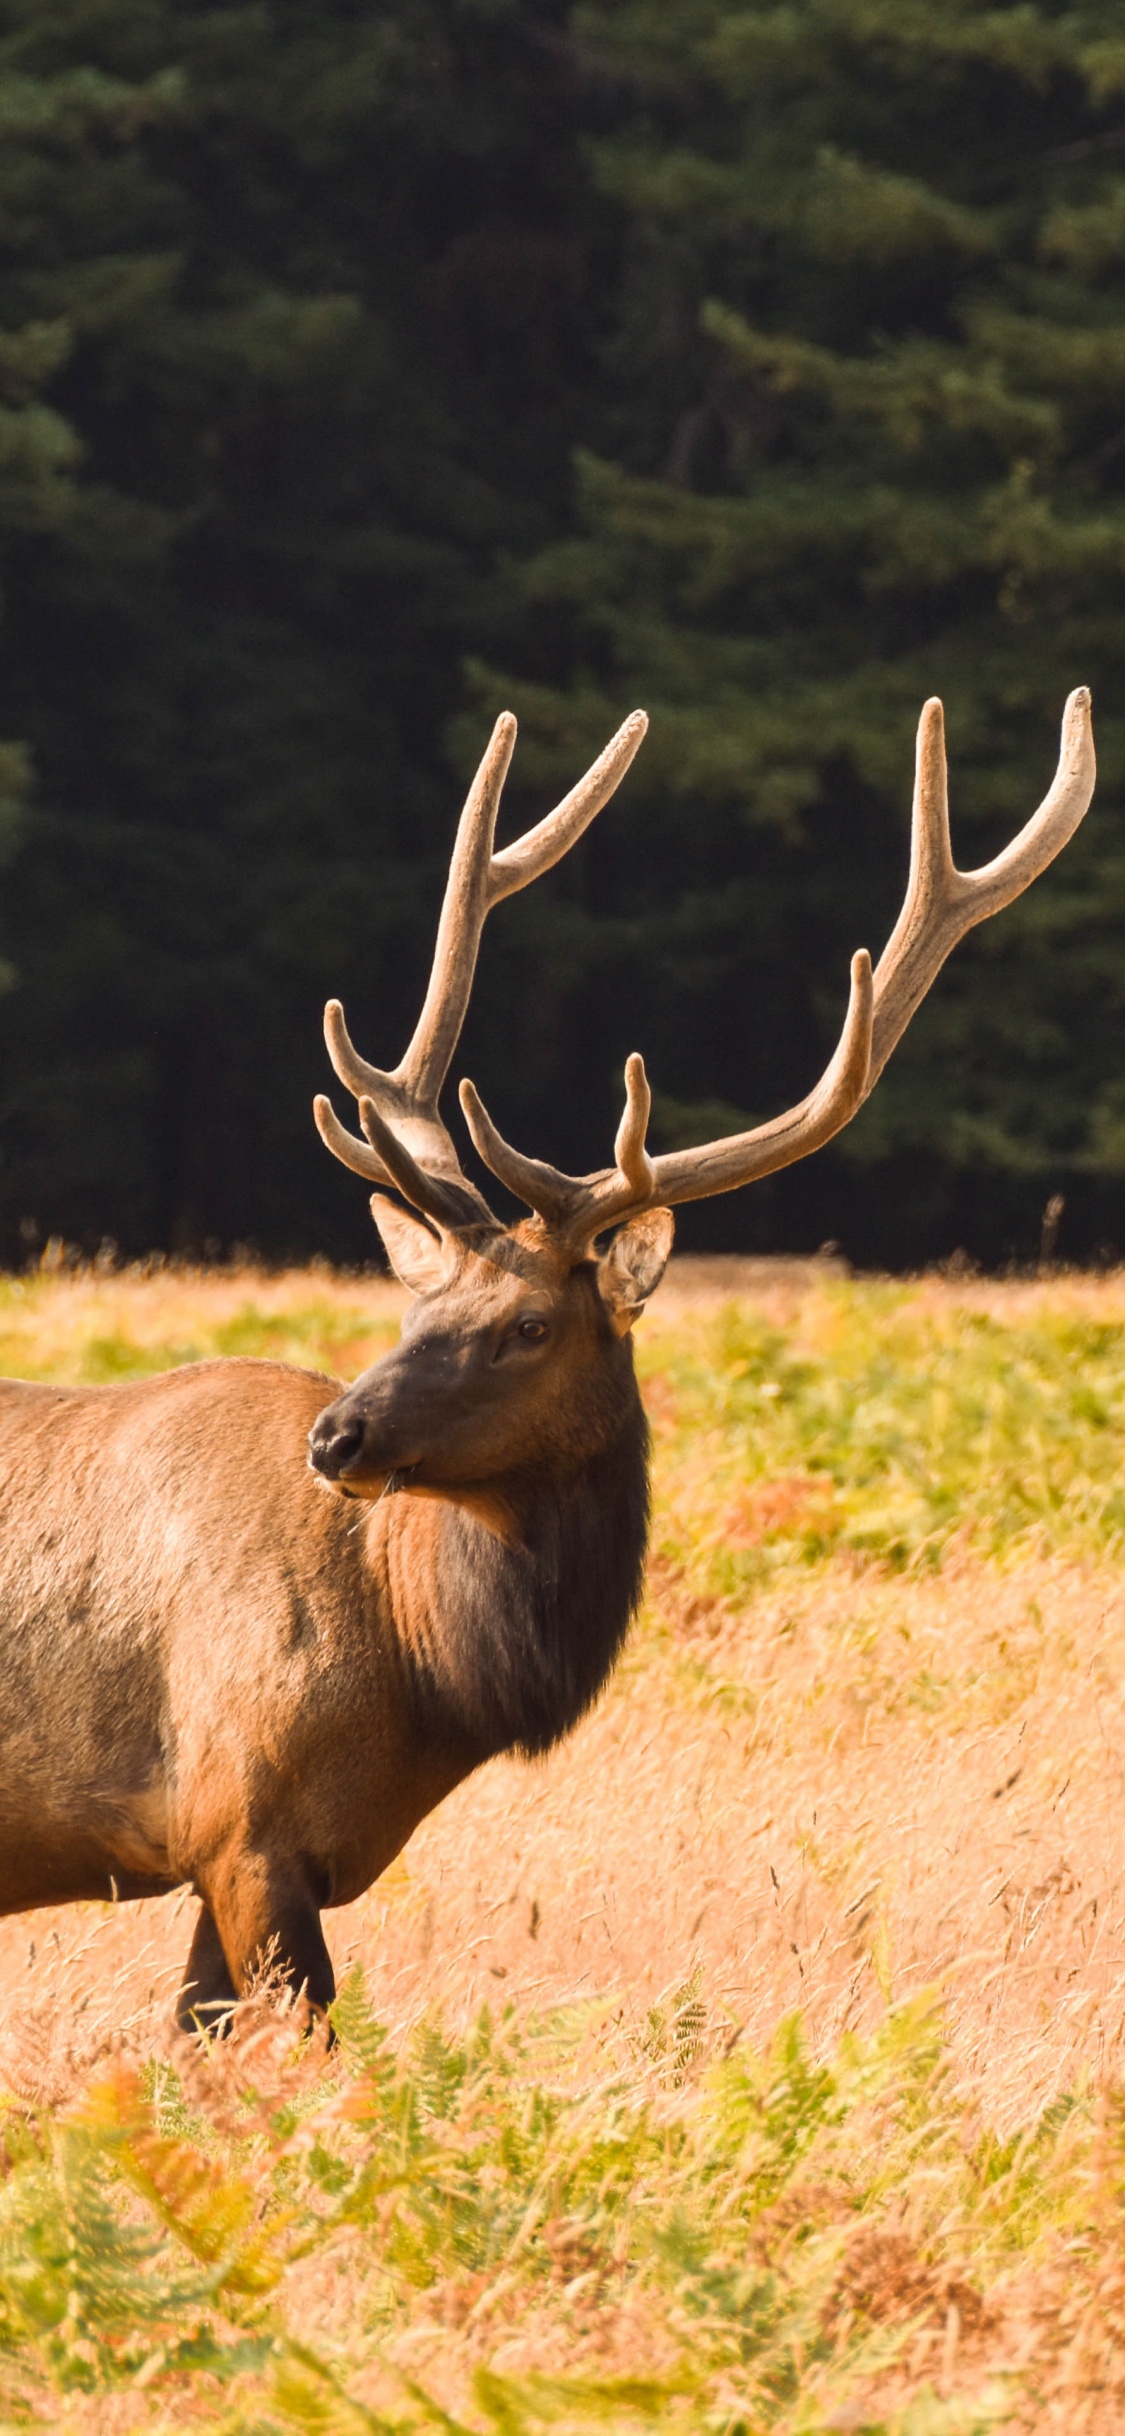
(887, 1429)
(566, 2222)
(315, 1336)
(883, 1425)
(739, 2219)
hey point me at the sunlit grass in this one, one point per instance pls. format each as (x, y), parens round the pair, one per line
(535, 2227)
(96, 1330)
(861, 1756)
(884, 1427)
(879, 1422)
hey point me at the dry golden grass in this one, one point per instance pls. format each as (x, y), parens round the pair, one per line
(770, 1803)
(833, 1773)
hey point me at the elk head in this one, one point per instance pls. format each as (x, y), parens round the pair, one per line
(515, 1351)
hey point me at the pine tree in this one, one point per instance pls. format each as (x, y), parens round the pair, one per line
(863, 443)
(302, 311)
(289, 336)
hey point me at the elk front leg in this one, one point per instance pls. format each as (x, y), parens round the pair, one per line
(265, 1914)
(208, 1992)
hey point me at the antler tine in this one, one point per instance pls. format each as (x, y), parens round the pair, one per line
(718, 1167)
(577, 1207)
(580, 1207)
(942, 903)
(540, 848)
(344, 1146)
(353, 1070)
(630, 1184)
(453, 1202)
(464, 906)
(385, 1161)
(533, 1181)
(633, 1162)
(479, 879)
(405, 1100)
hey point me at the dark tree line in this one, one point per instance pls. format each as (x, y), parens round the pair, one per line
(365, 367)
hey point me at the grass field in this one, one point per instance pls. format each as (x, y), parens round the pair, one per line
(757, 2062)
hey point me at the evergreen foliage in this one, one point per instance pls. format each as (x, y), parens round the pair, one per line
(866, 370)
(292, 339)
(308, 314)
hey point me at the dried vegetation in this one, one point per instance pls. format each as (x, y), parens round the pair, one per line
(755, 2063)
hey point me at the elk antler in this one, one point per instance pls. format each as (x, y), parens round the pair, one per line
(940, 905)
(407, 1145)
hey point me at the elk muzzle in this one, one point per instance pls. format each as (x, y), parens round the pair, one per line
(335, 1440)
(356, 1449)
(392, 1419)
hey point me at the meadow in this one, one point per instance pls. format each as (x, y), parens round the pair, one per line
(755, 2062)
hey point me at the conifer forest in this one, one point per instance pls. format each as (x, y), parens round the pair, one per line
(367, 366)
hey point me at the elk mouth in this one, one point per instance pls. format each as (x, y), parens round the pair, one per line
(369, 1488)
(342, 1456)
(334, 1444)
(365, 1492)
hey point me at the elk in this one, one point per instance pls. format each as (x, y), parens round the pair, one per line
(254, 1625)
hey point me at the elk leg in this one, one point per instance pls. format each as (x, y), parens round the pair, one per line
(265, 1914)
(208, 1991)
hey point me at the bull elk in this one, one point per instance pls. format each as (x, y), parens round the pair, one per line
(255, 1625)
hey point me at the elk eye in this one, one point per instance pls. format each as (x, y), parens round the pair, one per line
(532, 1331)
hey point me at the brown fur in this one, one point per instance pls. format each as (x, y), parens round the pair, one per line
(220, 1671)
(213, 1672)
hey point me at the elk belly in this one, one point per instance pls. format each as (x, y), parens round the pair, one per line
(136, 1828)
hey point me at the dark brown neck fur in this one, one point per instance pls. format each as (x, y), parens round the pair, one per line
(529, 1624)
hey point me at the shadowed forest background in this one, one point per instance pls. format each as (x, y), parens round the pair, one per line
(367, 368)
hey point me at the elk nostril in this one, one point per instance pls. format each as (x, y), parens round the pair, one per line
(333, 1445)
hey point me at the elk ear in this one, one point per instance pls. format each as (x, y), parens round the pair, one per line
(632, 1268)
(420, 1259)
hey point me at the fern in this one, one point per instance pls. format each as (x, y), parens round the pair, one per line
(448, 2182)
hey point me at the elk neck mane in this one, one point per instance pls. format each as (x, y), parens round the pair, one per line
(513, 1635)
